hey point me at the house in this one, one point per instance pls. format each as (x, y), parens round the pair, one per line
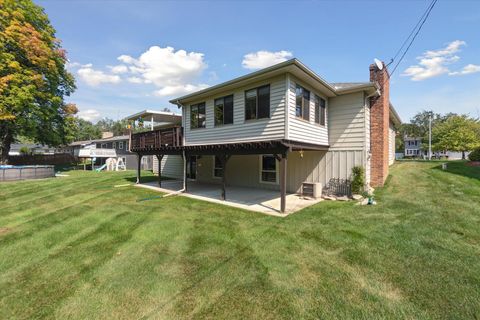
(413, 147)
(118, 143)
(278, 128)
(17, 149)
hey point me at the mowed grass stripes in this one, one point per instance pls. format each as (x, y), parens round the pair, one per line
(76, 247)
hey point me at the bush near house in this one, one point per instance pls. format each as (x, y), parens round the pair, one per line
(474, 155)
(358, 179)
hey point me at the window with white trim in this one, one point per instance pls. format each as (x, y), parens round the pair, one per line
(268, 169)
(120, 145)
(114, 145)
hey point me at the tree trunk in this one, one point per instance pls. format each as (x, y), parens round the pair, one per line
(463, 155)
(6, 139)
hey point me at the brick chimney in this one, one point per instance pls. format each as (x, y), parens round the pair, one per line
(379, 124)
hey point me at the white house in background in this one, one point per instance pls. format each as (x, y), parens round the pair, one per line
(279, 128)
(413, 147)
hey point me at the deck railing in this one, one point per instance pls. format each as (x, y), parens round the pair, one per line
(156, 139)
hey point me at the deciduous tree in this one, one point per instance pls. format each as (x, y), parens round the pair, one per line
(457, 133)
(33, 78)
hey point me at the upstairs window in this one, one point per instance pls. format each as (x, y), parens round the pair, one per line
(257, 103)
(197, 115)
(320, 110)
(268, 168)
(217, 168)
(224, 110)
(302, 105)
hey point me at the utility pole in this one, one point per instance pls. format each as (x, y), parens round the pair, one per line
(430, 137)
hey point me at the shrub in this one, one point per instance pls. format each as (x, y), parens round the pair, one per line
(474, 155)
(24, 150)
(358, 179)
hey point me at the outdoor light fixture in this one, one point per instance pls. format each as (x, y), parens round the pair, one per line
(301, 153)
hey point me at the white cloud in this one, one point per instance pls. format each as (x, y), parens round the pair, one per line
(95, 77)
(449, 50)
(468, 69)
(119, 68)
(134, 80)
(179, 89)
(74, 65)
(126, 59)
(262, 59)
(174, 72)
(89, 114)
(434, 63)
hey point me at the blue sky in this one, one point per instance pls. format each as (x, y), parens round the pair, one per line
(133, 55)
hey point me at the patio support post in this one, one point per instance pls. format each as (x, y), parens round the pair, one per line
(139, 165)
(223, 159)
(185, 165)
(159, 158)
(283, 182)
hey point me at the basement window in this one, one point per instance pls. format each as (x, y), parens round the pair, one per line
(302, 105)
(268, 169)
(257, 103)
(197, 115)
(224, 110)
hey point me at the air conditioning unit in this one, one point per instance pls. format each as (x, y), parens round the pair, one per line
(312, 189)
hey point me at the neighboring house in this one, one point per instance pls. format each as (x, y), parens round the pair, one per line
(279, 127)
(413, 147)
(119, 143)
(16, 148)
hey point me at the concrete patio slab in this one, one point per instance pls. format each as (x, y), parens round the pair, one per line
(258, 200)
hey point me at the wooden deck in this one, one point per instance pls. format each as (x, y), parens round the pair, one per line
(157, 139)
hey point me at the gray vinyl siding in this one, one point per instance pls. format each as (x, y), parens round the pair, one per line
(321, 166)
(241, 130)
(172, 166)
(314, 166)
(242, 171)
(347, 122)
(299, 129)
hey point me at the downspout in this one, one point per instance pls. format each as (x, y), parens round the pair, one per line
(366, 149)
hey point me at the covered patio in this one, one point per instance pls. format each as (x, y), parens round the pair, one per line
(258, 200)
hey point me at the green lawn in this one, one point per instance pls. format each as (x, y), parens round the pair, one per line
(77, 248)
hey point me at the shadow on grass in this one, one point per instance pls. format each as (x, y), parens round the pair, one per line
(460, 168)
(145, 178)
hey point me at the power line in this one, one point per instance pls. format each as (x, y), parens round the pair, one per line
(425, 17)
(411, 32)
